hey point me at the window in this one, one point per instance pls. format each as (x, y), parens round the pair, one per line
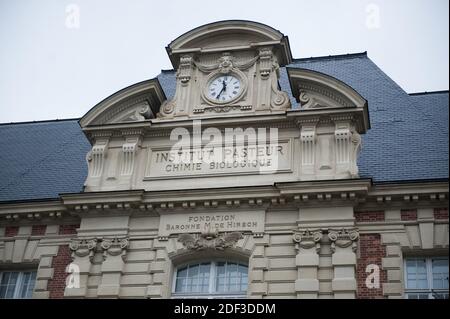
(426, 278)
(17, 284)
(218, 279)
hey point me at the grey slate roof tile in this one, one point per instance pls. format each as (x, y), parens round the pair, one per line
(408, 139)
(40, 160)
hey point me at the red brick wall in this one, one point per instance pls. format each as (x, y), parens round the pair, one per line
(408, 214)
(441, 213)
(38, 230)
(371, 252)
(68, 229)
(375, 216)
(57, 284)
(11, 231)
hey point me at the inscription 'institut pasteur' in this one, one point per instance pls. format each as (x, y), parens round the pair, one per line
(221, 160)
(253, 173)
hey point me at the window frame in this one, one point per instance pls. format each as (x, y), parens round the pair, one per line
(20, 281)
(212, 291)
(430, 291)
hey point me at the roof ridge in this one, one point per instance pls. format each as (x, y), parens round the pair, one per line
(429, 92)
(324, 57)
(41, 121)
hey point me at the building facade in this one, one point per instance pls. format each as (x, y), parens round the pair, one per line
(242, 173)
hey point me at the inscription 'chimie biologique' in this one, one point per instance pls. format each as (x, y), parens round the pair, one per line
(220, 158)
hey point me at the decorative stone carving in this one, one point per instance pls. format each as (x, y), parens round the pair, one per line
(356, 148)
(307, 239)
(343, 238)
(114, 246)
(185, 69)
(265, 62)
(225, 64)
(312, 96)
(280, 99)
(209, 240)
(83, 247)
(167, 108)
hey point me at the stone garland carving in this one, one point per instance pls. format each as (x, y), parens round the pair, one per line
(343, 238)
(209, 240)
(83, 247)
(307, 239)
(114, 247)
(225, 64)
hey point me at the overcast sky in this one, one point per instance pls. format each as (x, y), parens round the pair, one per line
(59, 58)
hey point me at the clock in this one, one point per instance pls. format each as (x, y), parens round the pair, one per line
(224, 88)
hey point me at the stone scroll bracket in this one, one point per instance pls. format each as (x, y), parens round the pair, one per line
(308, 148)
(348, 146)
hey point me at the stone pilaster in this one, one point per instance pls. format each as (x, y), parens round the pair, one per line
(343, 247)
(114, 253)
(83, 251)
(307, 244)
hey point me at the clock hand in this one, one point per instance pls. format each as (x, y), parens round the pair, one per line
(218, 95)
(224, 87)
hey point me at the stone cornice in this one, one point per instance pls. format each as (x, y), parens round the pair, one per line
(357, 192)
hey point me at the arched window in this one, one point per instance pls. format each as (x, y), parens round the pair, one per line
(215, 279)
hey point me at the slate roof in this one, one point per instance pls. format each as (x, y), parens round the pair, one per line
(41, 160)
(408, 139)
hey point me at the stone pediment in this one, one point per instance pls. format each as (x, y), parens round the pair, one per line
(315, 90)
(229, 35)
(136, 103)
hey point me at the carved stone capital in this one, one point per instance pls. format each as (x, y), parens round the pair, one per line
(343, 238)
(114, 246)
(83, 247)
(209, 240)
(307, 239)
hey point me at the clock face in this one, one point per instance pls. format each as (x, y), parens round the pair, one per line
(224, 88)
